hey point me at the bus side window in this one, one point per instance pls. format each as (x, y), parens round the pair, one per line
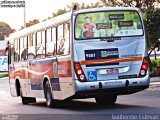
(66, 38)
(40, 44)
(11, 53)
(31, 46)
(23, 48)
(60, 40)
(51, 42)
(16, 56)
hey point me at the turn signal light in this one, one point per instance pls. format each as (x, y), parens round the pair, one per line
(79, 72)
(144, 67)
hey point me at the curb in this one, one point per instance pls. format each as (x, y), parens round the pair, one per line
(155, 79)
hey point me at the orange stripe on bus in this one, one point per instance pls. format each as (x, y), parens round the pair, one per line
(131, 59)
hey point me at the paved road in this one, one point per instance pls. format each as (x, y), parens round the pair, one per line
(146, 102)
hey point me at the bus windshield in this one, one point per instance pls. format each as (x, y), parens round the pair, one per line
(97, 25)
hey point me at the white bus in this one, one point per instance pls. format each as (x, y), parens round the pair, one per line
(96, 53)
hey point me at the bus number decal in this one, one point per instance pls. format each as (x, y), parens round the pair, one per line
(101, 54)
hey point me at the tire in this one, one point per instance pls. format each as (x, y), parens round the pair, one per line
(26, 100)
(48, 95)
(106, 100)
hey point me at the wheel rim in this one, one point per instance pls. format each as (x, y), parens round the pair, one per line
(48, 95)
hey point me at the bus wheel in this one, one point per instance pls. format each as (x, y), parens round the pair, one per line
(48, 95)
(106, 100)
(27, 100)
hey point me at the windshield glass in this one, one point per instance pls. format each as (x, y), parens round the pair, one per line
(108, 24)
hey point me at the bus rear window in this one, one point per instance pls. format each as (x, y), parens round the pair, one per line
(97, 25)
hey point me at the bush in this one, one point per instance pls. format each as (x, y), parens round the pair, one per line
(155, 67)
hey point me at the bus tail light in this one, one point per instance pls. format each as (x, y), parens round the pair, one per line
(144, 67)
(79, 72)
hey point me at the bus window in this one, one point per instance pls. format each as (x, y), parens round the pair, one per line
(23, 48)
(60, 40)
(11, 53)
(51, 42)
(31, 46)
(63, 39)
(16, 58)
(39, 38)
(66, 39)
(41, 46)
(96, 25)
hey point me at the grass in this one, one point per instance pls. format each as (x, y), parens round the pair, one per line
(3, 75)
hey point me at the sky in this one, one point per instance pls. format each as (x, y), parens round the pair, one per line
(35, 9)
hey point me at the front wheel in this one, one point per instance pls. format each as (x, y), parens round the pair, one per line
(26, 100)
(106, 99)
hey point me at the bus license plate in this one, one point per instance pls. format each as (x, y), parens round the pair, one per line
(112, 71)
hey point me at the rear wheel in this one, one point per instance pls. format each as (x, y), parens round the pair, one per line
(48, 95)
(106, 100)
(26, 100)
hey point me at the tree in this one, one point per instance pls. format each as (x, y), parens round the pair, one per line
(59, 12)
(153, 25)
(5, 30)
(32, 22)
(82, 5)
(130, 3)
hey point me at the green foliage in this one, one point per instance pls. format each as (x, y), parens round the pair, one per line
(154, 64)
(32, 22)
(59, 12)
(153, 25)
(5, 30)
(3, 75)
(83, 5)
(148, 4)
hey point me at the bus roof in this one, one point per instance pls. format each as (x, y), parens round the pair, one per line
(40, 26)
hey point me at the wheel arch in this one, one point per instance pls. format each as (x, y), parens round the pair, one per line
(18, 86)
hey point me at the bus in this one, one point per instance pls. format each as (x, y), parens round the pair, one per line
(96, 53)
